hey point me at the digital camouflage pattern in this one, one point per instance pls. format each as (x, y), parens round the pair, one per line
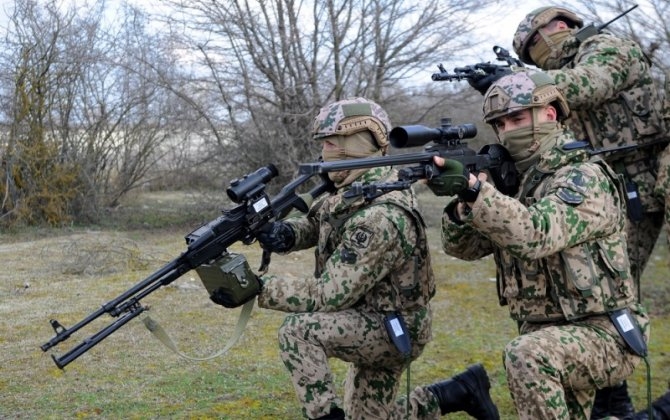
(561, 258)
(614, 102)
(550, 384)
(371, 259)
(350, 116)
(522, 90)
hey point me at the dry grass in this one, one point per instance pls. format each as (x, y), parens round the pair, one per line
(69, 274)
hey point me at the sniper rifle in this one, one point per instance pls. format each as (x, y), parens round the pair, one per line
(447, 141)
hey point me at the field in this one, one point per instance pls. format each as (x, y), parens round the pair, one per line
(66, 274)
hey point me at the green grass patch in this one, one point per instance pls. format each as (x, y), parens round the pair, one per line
(66, 274)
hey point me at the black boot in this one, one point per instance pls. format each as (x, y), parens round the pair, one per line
(660, 410)
(613, 401)
(467, 391)
(335, 414)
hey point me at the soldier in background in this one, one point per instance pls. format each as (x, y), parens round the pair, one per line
(560, 250)
(608, 85)
(373, 269)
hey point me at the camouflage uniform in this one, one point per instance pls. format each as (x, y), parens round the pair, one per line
(559, 246)
(607, 83)
(560, 252)
(371, 260)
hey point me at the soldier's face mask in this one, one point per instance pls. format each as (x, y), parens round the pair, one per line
(526, 144)
(549, 52)
(353, 146)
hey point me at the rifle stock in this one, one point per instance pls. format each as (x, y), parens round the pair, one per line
(204, 244)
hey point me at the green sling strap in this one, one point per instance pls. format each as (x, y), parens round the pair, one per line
(161, 335)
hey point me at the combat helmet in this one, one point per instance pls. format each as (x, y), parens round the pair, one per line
(535, 20)
(521, 90)
(350, 116)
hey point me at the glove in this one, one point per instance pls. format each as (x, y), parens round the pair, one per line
(483, 83)
(230, 297)
(452, 179)
(276, 237)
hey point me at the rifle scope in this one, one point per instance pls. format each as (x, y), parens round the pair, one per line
(244, 188)
(418, 135)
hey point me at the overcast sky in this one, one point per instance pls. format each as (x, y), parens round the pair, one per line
(501, 31)
(497, 30)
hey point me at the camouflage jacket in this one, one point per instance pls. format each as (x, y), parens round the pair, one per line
(369, 256)
(614, 102)
(559, 246)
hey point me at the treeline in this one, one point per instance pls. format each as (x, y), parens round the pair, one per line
(96, 102)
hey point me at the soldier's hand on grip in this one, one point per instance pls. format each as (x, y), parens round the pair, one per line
(452, 179)
(482, 83)
(276, 237)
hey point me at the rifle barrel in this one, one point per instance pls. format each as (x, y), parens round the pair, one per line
(364, 163)
(96, 338)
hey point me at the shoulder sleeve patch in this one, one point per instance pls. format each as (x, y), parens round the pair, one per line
(361, 237)
(569, 196)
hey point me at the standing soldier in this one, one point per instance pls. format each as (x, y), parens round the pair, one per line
(560, 250)
(373, 270)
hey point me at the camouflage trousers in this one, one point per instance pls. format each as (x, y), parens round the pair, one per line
(662, 187)
(307, 340)
(642, 237)
(553, 372)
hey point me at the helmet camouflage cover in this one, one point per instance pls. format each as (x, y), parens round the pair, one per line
(350, 116)
(535, 20)
(521, 90)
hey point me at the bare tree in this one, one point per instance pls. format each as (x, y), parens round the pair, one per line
(272, 64)
(86, 120)
(35, 178)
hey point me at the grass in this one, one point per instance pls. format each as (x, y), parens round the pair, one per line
(67, 274)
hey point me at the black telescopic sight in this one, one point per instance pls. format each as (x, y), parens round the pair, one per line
(240, 188)
(418, 135)
(412, 135)
(457, 132)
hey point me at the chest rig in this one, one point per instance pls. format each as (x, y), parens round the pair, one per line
(633, 118)
(410, 283)
(589, 278)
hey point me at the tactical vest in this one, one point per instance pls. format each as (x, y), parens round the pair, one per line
(588, 279)
(412, 282)
(634, 116)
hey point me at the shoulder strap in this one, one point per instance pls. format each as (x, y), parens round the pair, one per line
(164, 338)
(534, 178)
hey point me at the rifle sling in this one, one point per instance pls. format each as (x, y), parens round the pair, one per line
(164, 338)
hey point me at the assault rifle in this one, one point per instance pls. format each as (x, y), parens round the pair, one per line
(477, 71)
(206, 243)
(447, 141)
